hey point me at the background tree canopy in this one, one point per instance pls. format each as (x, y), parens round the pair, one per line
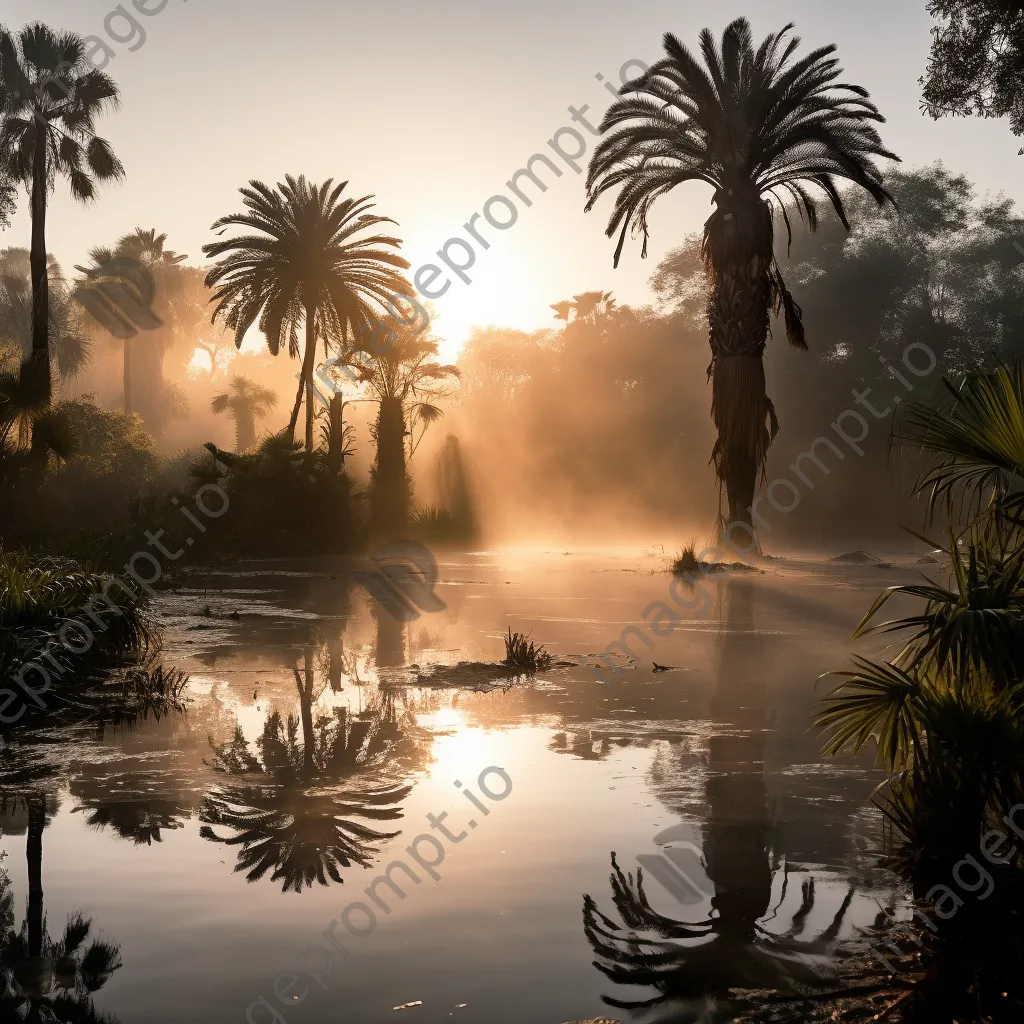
(608, 415)
(976, 65)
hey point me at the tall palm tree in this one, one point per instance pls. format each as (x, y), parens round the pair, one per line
(405, 380)
(755, 127)
(50, 97)
(304, 261)
(246, 401)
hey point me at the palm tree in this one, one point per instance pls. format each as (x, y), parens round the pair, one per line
(247, 402)
(563, 310)
(753, 126)
(307, 263)
(141, 286)
(50, 97)
(405, 380)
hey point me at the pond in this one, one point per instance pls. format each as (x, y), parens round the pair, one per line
(221, 864)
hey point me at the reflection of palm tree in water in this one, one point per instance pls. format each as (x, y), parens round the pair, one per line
(45, 979)
(303, 802)
(694, 963)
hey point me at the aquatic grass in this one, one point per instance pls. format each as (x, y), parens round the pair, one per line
(439, 524)
(688, 562)
(155, 686)
(522, 654)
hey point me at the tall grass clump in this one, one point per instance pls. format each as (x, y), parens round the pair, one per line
(522, 654)
(65, 618)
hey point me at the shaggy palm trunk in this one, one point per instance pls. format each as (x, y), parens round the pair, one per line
(148, 384)
(389, 494)
(40, 280)
(739, 254)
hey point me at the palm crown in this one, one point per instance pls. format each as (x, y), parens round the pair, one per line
(752, 123)
(52, 90)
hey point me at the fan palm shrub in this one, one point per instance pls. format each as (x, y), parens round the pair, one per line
(759, 127)
(50, 97)
(946, 711)
(304, 259)
(977, 443)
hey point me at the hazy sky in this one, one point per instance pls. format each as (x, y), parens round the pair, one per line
(432, 107)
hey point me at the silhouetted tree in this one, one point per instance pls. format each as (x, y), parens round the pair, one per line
(976, 64)
(46, 979)
(752, 125)
(246, 402)
(50, 97)
(301, 806)
(405, 379)
(309, 263)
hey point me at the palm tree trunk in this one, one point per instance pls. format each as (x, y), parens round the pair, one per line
(389, 495)
(335, 454)
(295, 408)
(306, 382)
(245, 430)
(34, 855)
(308, 362)
(40, 280)
(129, 405)
(148, 377)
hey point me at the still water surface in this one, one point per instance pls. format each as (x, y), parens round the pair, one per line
(216, 848)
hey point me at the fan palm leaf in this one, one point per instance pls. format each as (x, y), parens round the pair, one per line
(979, 441)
